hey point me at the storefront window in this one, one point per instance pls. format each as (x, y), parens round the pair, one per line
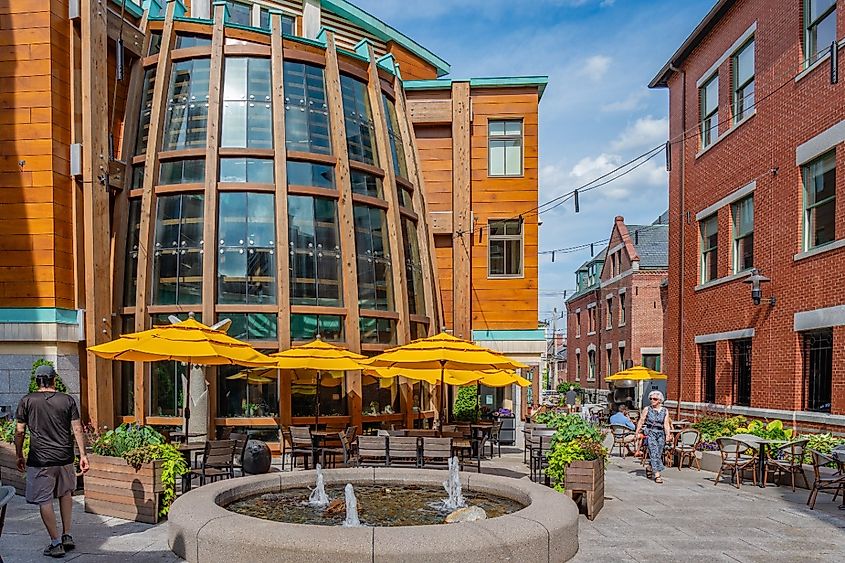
(242, 169)
(245, 392)
(332, 394)
(186, 116)
(177, 261)
(252, 326)
(247, 109)
(377, 331)
(366, 184)
(125, 385)
(130, 272)
(375, 282)
(167, 394)
(413, 268)
(186, 171)
(146, 111)
(308, 327)
(397, 150)
(380, 396)
(360, 131)
(306, 111)
(310, 174)
(314, 251)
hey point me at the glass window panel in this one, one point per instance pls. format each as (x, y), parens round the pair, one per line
(187, 105)
(496, 128)
(146, 111)
(177, 261)
(186, 41)
(379, 396)
(314, 251)
(360, 131)
(137, 176)
(167, 393)
(310, 174)
(247, 114)
(188, 171)
(377, 331)
(306, 112)
(234, 124)
(366, 184)
(240, 398)
(711, 95)
(513, 158)
(513, 127)
(497, 158)
(397, 150)
(307, 327)
(818, 7)
(818, 370)
(155, 43)
(744, 66)
(375, 283)
(709, 249)
(252, 326)
(130, 275)
(413, 268)
(820, 201)
(504, 248)
(504, 148)
(239, 13)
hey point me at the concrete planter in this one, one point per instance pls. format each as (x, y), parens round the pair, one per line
(587, 479)
(115, 488)
(9, 474)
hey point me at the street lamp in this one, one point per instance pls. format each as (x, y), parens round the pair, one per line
(755, 279)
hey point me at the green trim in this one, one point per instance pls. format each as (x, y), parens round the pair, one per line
(306, 41)
(490, 82)
(38, 315)
(132, 7)
(523, 335)
(384, 32)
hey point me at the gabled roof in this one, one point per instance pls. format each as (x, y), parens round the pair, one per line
(652, 245)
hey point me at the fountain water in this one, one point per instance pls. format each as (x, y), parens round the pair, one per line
(453, 487)
(352, 520)
(318, 496)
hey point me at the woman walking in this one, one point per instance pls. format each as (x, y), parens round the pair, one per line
(655, 419)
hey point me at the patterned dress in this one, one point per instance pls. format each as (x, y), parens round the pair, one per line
(656, 434)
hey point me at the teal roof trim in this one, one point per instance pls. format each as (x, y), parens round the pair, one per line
(492, 82)
(190, 19)
(388, 63)
(39, 315)
(384, 32)
(362, 47)
(305, 41)
(247, 28)
(521, 335)
(132, 7)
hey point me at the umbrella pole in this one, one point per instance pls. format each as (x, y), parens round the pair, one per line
(442, 394)
(317, 398)
(477, 399)
(187, 405)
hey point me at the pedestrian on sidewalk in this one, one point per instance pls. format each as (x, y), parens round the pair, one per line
(53, 422)
(655, 419)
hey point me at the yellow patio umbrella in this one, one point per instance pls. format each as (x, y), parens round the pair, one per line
(187, 341)
(636, 373)
(251, 378)
(441, 352)
(318, 356)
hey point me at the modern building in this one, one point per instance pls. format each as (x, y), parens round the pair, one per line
(615, 320)
(757, 122)
(252, 161)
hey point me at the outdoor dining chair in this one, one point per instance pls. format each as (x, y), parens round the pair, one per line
(686, 445)
(403, 451)
(835, 482)
(541, 441)
(495, 434)
(788, 458)
(285, 446)
(436, 452)
(301, 446)
(330, 454)
(372, 451)
(736, 460)
(240, 439)
(218, 462)
(623, 438)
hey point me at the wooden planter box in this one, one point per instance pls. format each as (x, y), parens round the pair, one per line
(115, 488)
(9, 474)
(586, 478)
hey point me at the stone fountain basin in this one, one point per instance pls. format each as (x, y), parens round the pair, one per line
(201, 530)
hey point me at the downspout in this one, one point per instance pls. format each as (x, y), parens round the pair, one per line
(683, 74)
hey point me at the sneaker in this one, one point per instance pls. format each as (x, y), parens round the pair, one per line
(67, 542)
(54, 550)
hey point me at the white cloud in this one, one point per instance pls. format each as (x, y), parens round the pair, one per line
(595, 67)
(646, 131)
(631, 102)
(650, 174)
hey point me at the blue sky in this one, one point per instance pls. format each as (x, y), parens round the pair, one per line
(597, 111)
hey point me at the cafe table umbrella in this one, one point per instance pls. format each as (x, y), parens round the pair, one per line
(636, 373)
(318, 356)
(187, 341)
(443, 351)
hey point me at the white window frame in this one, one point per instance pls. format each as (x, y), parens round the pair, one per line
(577, 366)
(807, 210)
(520, 138)
(705, 250)
(709, 135)
(736, 237)
(591, 366)
(810, 28)
(505, 237)
(737, 86)
(577, 324)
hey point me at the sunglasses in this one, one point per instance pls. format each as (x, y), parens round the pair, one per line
(655, 398)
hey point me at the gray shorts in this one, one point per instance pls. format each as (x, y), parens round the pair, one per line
(43, 484)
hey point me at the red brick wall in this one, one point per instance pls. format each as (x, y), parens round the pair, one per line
(574, 343)
(794, 113)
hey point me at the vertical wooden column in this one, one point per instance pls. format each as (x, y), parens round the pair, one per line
(394, 231)
(346, 220)
(95, 208)
(461, 213)
(431, 282)
(146, 230)
(277, 67)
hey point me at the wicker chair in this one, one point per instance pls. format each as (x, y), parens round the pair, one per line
(835, 483)
(623, 438)
(686, 445)
(788, 458)
(735, 459)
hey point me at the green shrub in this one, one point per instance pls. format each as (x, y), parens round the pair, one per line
(564, 453)
(774, 430)
(173, 467)
(565, 386)
(466, 403)
(33, 385)
(7, 434)
(822, 443)
(124, 438)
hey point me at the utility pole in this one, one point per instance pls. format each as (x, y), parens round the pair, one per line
(554, 350)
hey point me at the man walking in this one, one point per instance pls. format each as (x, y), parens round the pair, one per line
(53, 421)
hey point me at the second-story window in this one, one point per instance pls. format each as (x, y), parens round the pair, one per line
(288, 22)
(187, 106)
(504, 248)
(708, 96)
(623, 313)
(360, 130)
(819, 29)
(743, 79)
(306, 111)
(397, 150)
(577, 324)
(504, 145)
(609, 322)
(743, 224)
(247, 114)
(820, 201)
(709, 248)
(239, 13)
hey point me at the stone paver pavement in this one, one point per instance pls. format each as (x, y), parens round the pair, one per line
(685, 519)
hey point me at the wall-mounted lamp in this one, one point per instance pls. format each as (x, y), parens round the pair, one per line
(755, 279)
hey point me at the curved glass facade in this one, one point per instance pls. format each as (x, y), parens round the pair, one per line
(285, 259)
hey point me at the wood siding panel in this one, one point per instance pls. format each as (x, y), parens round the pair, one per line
(411, 67)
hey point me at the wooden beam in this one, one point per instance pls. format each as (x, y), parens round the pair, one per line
(394, 231)
(430, 111)
(95, 158)
(147, 226)
(461, 212)
(424, 233)
(346, 220)
(133, 37)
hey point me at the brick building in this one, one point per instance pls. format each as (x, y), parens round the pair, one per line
(615, 319)
(757, 129)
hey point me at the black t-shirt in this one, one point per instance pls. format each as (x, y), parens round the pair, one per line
(48, 416)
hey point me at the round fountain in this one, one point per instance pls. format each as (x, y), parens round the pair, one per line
(373, 514)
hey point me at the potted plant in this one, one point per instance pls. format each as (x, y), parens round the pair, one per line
(133, 474)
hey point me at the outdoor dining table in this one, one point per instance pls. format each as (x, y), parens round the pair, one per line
(760, 445)
(317, 437)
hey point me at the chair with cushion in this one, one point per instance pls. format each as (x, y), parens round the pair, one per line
(736, 460)
(835, 482)
(788, 458)
(436, 452)
(623, 438)
(372, 451)
(301, 446)
(686, 445)
(403, 451)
